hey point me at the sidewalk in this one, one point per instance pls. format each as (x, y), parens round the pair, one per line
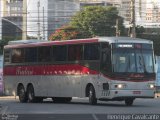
(7, 97)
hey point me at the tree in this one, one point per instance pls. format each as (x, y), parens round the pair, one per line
(90, 22)
(5, 41)
(97, 21)
(2, 44)
(155, 39)
(66, 33)
(140, 30)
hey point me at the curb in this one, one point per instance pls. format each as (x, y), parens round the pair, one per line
(7, 97)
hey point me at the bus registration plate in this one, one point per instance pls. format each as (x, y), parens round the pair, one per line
(136, 92)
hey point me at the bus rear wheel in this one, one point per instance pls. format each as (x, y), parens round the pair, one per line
(129, 101)
(31, 95)
(22, 94)
(92, 96)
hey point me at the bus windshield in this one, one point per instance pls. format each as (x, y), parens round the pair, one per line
(1, 66)
(133, 60)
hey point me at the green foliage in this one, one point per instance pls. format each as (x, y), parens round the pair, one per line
(155, 39)
(66, 33)
(5, 41)
(91, 21)
(97, 21)
(140, 29)
(2, 44)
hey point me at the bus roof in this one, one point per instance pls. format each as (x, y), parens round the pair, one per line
(32, 43)
(24, 41)
(124, 40)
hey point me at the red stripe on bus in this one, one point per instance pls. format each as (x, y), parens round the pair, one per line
(50, 43)
(72, 69)
(48, 70)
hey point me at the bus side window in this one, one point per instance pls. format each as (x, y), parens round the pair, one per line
(91, 52)
(31, 55)
(7, 55)
(75, 52)
(18, 55)
(60, 53)
(44, 54)
(105, 58)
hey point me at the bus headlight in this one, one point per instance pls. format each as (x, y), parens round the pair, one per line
(151, 86)
(120, 86)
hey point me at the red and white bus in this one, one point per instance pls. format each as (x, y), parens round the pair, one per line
(104, 68)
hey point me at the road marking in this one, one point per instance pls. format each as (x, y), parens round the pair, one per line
(3, 111)
(94, 116)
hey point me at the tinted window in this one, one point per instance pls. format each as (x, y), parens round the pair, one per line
(18, 55)
(44, 54)
(75, 52)
(31, 54)
(91, 52)
(7, 56)
(59, 53)
(147, 46)
(105, 58)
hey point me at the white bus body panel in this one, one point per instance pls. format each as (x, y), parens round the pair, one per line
(75, 86)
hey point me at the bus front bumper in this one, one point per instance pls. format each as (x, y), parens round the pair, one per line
(122, 94)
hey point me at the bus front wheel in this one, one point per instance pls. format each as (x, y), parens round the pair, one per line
(30, 94)
(22, 94)
(129, 102)
(92, 96)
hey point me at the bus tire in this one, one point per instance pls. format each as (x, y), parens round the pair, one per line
(22, 94)
(129, 102)
(31, 94)
(92, 96)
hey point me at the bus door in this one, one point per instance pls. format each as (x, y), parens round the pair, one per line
(105, 59)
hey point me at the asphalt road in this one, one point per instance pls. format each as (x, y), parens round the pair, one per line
(78, 109)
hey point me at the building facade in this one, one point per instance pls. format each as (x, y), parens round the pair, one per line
(60, 13)
(140, 9)
(116, 3)
(11, 19)
(49, 15)
(45, 16)
(37, 18)
(153, 14)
